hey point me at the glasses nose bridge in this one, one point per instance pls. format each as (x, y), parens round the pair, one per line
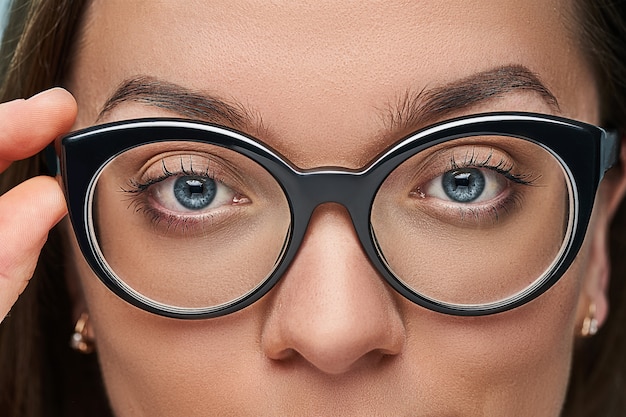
(352, 190)
(333, 186)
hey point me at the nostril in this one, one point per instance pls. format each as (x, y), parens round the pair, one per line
(284, 355)
(330, 362)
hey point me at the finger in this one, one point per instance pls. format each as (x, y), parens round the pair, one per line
(27, 213)
(27, 126)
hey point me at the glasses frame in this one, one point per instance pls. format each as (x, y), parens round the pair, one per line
(585, 151)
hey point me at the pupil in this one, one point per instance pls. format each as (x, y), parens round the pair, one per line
(462, 179)
(194, 193)
(195, 187)
(464, 185)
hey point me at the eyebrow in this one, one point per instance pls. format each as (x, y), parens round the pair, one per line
(418, 108)
(411, 110)
(183, 101)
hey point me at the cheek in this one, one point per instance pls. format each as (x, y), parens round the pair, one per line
(517, 361)
(180, 366)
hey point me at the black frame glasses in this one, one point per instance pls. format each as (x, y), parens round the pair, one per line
(585, 152)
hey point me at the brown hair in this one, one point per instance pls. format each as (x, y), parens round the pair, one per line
(40, 375)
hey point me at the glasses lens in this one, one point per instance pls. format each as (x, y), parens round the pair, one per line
(475, 220)
(188, 224)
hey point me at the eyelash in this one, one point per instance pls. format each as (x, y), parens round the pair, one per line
(173, 222)
(504, 168)
(138, 187)
(488, 211)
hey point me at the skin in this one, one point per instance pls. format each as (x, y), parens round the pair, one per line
(332, 338)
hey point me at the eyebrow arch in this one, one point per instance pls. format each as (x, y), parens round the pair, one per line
(185, 102)
(411, 110)
(418, 108)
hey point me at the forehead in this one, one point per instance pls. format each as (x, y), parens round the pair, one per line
(311, 71)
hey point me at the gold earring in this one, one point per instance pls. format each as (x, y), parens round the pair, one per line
(80, 341)
(590, 323)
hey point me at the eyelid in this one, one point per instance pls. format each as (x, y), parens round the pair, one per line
(454, 156)
(190, 163)
(152, 162)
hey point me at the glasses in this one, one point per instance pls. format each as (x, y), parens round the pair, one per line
(472, 216)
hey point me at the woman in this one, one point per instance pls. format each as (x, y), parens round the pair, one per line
(456, 293)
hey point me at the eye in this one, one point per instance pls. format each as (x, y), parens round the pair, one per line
(191, 193)
(467, 185)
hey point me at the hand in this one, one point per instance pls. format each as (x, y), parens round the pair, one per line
(30, 210)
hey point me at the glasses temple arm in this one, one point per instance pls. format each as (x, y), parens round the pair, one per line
(609, 151)
(52, 161)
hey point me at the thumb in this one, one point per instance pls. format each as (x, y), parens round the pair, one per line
(27, 213)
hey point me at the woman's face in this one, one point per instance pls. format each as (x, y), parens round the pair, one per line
(321, 83)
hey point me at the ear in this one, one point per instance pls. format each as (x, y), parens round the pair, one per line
(597, 269)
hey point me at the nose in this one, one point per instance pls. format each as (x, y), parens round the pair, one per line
(331, 308)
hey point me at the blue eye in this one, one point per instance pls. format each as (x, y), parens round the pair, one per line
(463, 185)
(194, 193)
(467, 186)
